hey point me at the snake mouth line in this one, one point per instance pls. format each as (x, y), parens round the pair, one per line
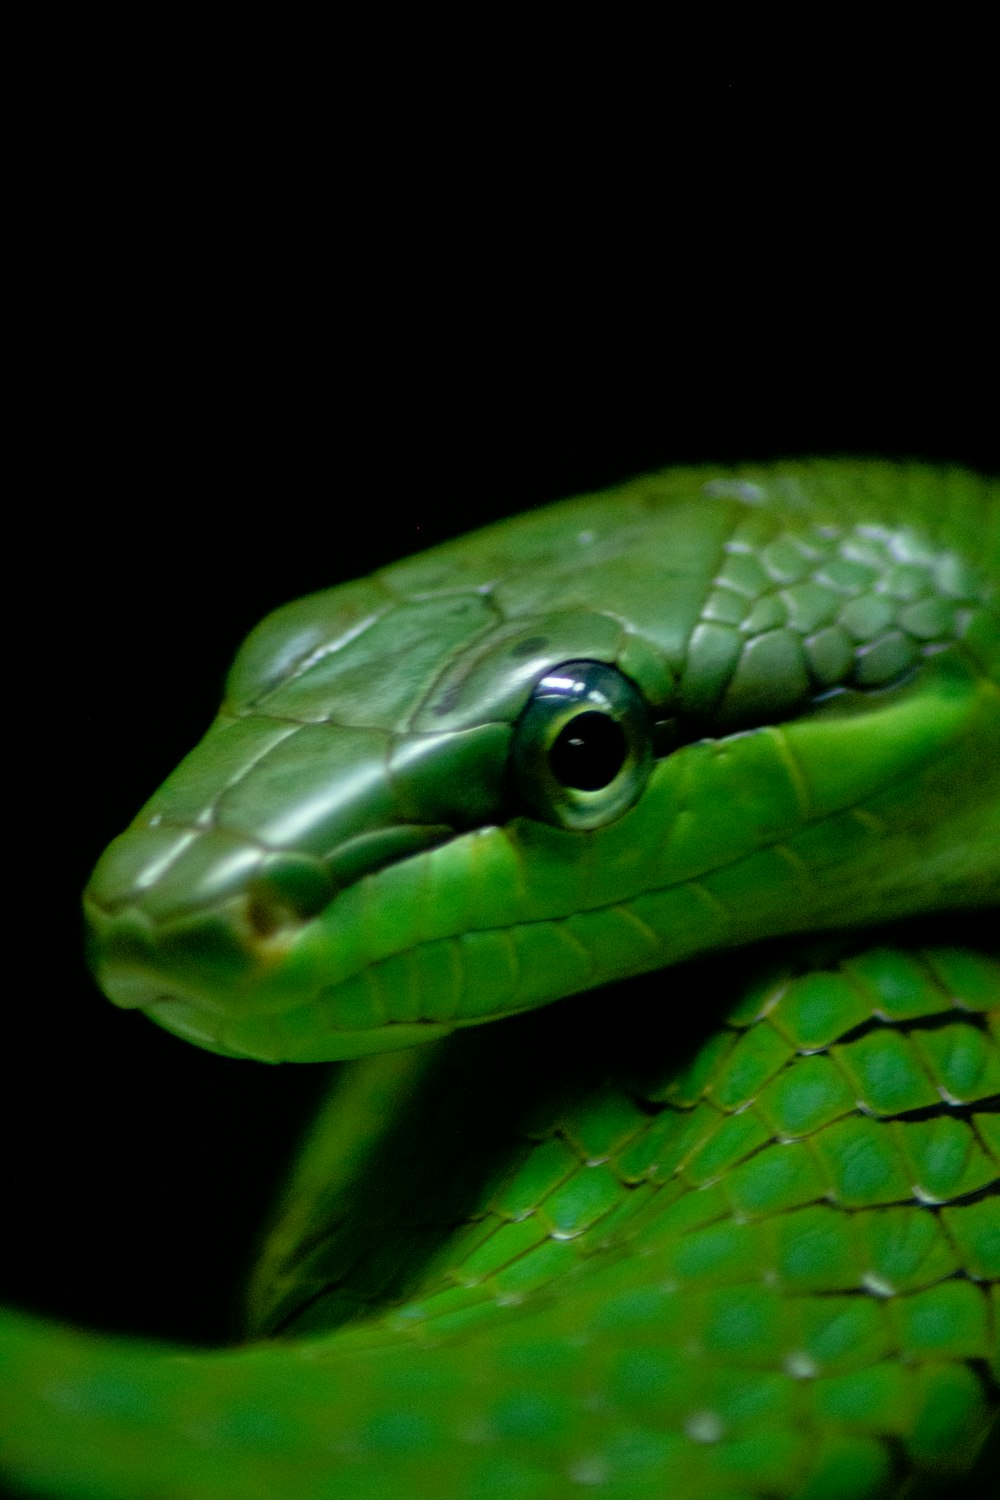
(190, 1021)
(132, 989)
(191, 1013)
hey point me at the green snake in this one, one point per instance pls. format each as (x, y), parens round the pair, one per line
(694, 785)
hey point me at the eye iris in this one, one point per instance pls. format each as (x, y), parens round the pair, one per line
(589, 752)
(582, 746)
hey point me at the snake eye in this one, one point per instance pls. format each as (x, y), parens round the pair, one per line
(582, 746)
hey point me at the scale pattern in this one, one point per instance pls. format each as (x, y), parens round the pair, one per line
(774, 1273)
(782, 1263)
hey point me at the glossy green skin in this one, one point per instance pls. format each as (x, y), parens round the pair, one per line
(578, 1252)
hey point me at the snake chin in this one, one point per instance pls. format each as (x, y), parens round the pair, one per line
(192, 1022)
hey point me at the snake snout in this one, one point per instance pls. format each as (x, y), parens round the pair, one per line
(196, 914)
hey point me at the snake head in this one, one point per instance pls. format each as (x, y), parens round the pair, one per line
(595, 740)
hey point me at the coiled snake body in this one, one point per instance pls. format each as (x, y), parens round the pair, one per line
(695, 752)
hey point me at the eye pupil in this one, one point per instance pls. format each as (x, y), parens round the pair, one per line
(589, 752)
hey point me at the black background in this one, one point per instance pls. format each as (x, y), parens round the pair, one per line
(273, 344)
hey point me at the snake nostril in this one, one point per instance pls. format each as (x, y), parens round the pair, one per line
(244, 909)
(267, 915)
(288, 891)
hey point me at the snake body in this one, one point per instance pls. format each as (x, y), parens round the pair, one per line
(660, 780)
